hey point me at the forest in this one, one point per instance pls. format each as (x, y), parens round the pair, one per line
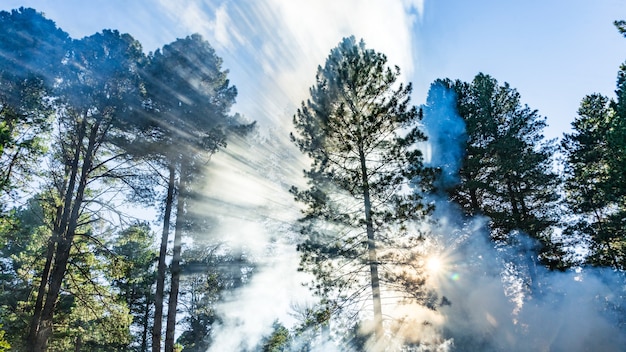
(450, 226)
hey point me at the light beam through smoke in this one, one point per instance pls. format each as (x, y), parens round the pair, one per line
(272, 49)
(484, 304)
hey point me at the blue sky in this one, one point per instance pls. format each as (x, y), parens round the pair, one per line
(553, 52)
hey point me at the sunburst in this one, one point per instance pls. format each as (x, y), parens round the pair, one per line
(434, 264)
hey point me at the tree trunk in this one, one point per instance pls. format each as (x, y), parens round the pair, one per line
(371, 248)
(146, 327)
(159, 296)
(41, 292)
(513, 201)
(40, 330)
(474, 201)
(79, 343)
(45, 275)
(175, 266)
(64, 246)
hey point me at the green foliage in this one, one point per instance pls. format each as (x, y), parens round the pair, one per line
(21, 253)
(506, 173)
(4, 344)
(97, 81)
(621, 26)
(103, 92)
(594, 179)
(209, 272)
(186, 115)
(278, 341)
(89, 310)
(188, 97)
(132, 272)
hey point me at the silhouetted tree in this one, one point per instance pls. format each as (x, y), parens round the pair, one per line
(359, 131)
(96, 92)
(507, 170)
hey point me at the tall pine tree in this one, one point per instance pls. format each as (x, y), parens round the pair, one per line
(359, 132)
(595, 173)
(99, 85)
(506, 172)
(188, 119)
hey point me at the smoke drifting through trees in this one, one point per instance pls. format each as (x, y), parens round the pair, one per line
(239, 240)
(494, 303)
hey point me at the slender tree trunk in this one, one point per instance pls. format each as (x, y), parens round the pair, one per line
(41, 292)
(159, 296)
(146, 327)
(514, 205)
(9, 170)
(45, 275)
(175, 266)
(64, 246)
(34, 339)
(371, 248)
(525, 214)
(78, 344)
(10, 120)
(474, 204)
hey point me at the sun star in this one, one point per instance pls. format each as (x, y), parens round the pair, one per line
(433, 264)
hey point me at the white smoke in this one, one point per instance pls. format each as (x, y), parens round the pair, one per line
(493, 306)
(488, 305)
(445, 130)
(272, 49)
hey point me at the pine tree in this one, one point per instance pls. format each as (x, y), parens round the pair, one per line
(592, 188)
(31, 48)
(595, 173)
(506, 172)
(358, 204)
(89, 311)
(187, 113)
(99, 86)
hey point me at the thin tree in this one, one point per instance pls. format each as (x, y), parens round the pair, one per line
(359, 132)
(94, 96)
(188, 103)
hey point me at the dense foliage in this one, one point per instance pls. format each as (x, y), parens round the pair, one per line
(120, 119)
(506, 172)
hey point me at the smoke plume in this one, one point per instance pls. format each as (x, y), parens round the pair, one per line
(492, 303)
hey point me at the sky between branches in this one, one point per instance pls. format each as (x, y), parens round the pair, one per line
(552, 52)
